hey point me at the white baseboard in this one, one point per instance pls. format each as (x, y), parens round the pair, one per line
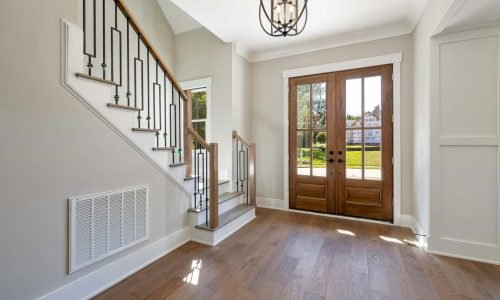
(271, 203)
(486, 261)
(103, 278)
(413, 224)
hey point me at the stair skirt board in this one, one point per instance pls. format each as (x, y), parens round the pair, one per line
(213, 238)
(90, 93)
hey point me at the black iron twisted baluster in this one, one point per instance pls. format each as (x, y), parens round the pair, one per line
(195, 174)
(180, 126)
(242, 167)
(115, 29)
(148, 118)
(138, 59)
(237, 165)
(247, 173)
(173, 109)
(205, 185)
(85, 52)
(157, 85)
(128, 64)
(201, 192)
(165, 108)
(103, 65)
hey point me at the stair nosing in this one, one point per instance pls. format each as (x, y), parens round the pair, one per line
(163, 148)
(113, 105)
(90, 77)
(177, 165)
(248, 208)
(145, 130)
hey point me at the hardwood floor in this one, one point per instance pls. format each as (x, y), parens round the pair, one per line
(285, 255)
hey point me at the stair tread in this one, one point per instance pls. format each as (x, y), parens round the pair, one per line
(222, 198)
(228, 216)
(123, 107)
(163, 148)
(191, 177)
(145, 129)
(96, 78)
(177, 165)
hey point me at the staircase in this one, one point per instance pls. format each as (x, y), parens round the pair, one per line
(133, 91)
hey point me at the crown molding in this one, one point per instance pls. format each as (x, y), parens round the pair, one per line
(376, 33)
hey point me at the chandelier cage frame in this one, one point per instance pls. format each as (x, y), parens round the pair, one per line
(286, 28)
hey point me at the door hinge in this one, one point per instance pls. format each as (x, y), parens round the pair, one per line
(393, 160)
(392, 76)
(392, 118)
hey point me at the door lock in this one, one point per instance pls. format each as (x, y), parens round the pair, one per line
(340, 161)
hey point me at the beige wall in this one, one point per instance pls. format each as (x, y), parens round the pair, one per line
(52, 148)
(200, 54)
(421, 165)
(267, 109)
(242, 96)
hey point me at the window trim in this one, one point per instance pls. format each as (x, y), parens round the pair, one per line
(202, 83)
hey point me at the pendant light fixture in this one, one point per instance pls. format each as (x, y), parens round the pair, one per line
(283, 17)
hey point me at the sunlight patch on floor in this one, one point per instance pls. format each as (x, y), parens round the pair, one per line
(391, 240)
(346, 232)
(194, 276)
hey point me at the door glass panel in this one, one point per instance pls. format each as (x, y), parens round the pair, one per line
(373, 154)
(354, 154)
(353, 103)
(304, 153)
(319, 105)
(303, 106)
(373, 101)
(319, 154)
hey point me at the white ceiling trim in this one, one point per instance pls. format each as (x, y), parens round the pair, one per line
(376, 33)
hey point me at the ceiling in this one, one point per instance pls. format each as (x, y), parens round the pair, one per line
(474, 13)
(330, 23)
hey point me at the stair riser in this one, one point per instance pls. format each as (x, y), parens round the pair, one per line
(198, 218)
(213, 238)
(223, 188)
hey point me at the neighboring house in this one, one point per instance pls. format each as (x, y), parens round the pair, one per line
(374, 136)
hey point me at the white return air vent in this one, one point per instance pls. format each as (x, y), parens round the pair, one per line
(103, 224)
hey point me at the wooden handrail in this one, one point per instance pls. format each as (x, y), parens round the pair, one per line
(237, 136)
(198, 138)
(135, 24)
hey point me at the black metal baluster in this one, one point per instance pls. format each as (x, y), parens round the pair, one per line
(148, 118)
(247, 174)
(103, 65)
(138, 59)
(174, 122)
(165, 108)
(242, 167)
(199, 157)
(115, 29)
(237, 165)
(128, 63)
(205, 186)
(180, 127)
(156, 84)
(196, 179)
(85, 52)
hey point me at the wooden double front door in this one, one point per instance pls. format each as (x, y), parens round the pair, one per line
(341, 143)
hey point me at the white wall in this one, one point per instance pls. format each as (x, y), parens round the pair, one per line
(430, 18)
(267, 109)
(465, 140)
(200, 54)
(52, 148)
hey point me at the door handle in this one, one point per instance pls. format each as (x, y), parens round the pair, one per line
(331, 160)
(340, 161)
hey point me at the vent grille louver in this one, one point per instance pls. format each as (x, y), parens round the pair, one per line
(106, 223)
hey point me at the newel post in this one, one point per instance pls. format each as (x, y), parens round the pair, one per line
(188, 140)
(252, 190)
(214, 185)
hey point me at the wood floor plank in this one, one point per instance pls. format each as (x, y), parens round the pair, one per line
(288, 255)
